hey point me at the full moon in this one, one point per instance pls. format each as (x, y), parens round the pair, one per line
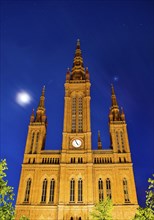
(23, 98)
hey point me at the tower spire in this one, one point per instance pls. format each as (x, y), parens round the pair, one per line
(99, 141)
(114, 114)
(78, 71)
(42, 98)
(40, 113)
(113, 97)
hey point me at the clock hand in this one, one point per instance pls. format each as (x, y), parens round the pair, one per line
(76, 142)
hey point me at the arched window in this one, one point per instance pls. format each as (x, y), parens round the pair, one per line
(71, 218)
(80, 190)
(125, 187)
(100, 189)
(72, 190)
(44, 190)
(122, 141)
(32, 142)
(108, 188)
(74, 114)
(80, 218)
(117, 140)
(80, 121)
(52, 191)
(37, 139)
(27, 192)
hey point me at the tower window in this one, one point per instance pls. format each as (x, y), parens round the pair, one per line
(117, 140)
(108, 188)
(44, 191)
(80, 115)
(32, 142)
(122, 141)
(100, 189)
(80, 190)
(37, 139)
(125, 187)
(73, 114)
(52, 190)
(27, 192)
(72, 190)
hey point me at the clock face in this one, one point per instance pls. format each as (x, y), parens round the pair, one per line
(76, 143)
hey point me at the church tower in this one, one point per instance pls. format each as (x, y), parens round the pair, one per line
(65, 184)
(77, 130)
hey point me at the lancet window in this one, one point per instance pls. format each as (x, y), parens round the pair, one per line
(72, 190)
(122, 141)
(80, 111)
(108, 188)
(37, 139)
(52, 191)
(32, 142)
(77, 114)
(80, 190)
(27, 192)
(117, 140)
(44, 190)
(74, 114)
(100, 189)
(125, 187)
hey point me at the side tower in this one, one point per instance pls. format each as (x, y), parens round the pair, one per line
(37, 131)
(124, 185)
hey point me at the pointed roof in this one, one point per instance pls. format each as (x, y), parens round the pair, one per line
(114, 114)
(42, 99)
(114, 103)
(32, 117)
(40, 112)
(78, 68)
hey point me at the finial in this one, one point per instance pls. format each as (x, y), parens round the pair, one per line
(112, 89)
(122, 114)
(78, 43)
(99, 133)
(32, 116)
(68, 74)
(43, 90)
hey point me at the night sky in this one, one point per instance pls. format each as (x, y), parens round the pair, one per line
(38, 41)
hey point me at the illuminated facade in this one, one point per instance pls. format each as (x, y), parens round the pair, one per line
(65, 184)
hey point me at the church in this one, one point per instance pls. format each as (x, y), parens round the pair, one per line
(65, 184)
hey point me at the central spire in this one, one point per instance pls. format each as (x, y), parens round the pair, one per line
(78, 71)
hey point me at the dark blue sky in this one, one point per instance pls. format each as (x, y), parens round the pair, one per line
(38, 40)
